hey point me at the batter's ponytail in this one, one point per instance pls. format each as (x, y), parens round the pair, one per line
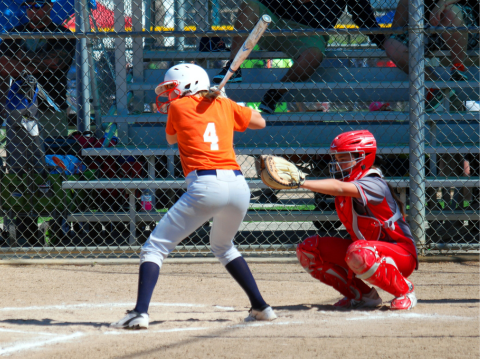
(211, 95)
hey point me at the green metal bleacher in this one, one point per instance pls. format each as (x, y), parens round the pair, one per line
(306, 133)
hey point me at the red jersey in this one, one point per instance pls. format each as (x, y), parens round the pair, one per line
(374, 216)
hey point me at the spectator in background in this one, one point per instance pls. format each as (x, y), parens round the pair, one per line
(307, 51)
(48, 60)
(448, 13)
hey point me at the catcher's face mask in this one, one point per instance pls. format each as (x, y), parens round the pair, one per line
(168, 90)
(343, 164)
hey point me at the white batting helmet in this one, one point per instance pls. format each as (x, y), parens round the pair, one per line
(181, 80)
(190, 79)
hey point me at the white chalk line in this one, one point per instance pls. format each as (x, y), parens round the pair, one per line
(129, 332)
(236, 326)
(409, 315)
(25, 332)
(224, 308)
(106, 305)
(42, 342)
(262, 324)
(38, 343)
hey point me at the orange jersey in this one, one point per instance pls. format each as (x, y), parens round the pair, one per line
(204, 131)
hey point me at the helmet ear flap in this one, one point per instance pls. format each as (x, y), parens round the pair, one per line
(165, 86)
(172, 94)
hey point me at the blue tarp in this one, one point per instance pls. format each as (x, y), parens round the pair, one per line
(12, 13)
(387, 18)
(73, 164)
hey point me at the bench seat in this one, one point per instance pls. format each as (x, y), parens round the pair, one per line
(132, 216)
(318, 117)
(330, 91)
(313, 129)
(258, 216)
(308, 132)
(340, 85)
(313, 149)
(133, 184)
(331, 53)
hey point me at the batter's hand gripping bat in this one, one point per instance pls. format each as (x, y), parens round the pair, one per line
(245, 50)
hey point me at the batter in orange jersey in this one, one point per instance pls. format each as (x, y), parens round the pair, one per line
(204, 130)
(203, 126)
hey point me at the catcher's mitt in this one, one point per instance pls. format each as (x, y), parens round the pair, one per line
(278, 173)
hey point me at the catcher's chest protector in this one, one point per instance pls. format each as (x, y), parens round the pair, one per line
(361, 227)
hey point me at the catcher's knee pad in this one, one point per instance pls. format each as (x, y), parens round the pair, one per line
(362, 260)
(327, 273)
(382, 272)
(308, 254)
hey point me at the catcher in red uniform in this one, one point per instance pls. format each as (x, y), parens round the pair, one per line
(381, 250)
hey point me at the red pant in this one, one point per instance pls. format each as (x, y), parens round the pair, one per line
(333, 250)
(325, 259)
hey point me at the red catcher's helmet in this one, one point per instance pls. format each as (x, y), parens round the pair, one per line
(361, 142)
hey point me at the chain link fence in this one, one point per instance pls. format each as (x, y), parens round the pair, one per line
(85, 168)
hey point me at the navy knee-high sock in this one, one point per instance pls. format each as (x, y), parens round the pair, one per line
(147, 279)
(239, 270)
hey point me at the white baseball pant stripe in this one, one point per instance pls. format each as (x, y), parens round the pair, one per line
(224, 197)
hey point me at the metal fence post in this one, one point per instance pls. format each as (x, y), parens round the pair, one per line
(147, 5)
(417, 120)
(215, 12)
(121, 71)
(179, 24)
(137, 57)
(82, 68)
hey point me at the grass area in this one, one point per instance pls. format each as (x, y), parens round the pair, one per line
(281, 106)
(40, 220)
(465, 204)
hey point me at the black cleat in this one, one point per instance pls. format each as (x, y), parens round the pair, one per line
(236, 77)
(269, 101)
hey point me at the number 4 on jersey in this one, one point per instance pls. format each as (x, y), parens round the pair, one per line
(210, 135)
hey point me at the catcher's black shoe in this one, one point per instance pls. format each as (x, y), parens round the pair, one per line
(236, 77)
(269, 101)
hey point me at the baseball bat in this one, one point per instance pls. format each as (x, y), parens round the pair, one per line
(246, 48)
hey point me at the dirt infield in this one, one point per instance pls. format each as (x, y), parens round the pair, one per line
(197, 312)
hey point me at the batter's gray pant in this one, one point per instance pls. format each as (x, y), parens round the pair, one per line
(225, 197)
